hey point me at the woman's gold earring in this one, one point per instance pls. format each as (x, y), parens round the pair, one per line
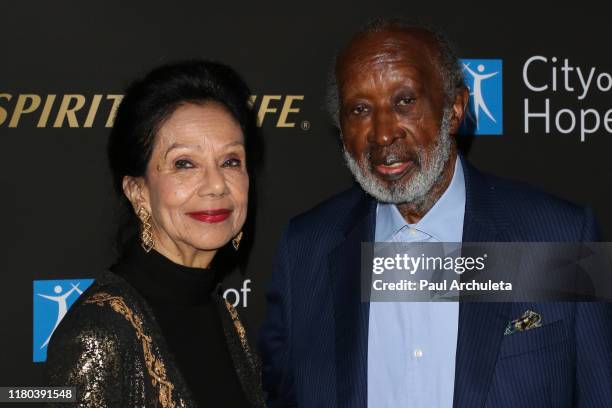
(146, 232)
(236, 241)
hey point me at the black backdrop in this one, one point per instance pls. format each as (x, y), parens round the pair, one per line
(57, 207)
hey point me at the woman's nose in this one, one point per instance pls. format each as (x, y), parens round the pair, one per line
(213, 182)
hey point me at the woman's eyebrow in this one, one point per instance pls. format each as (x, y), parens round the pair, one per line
(176, 145)
(235, 143)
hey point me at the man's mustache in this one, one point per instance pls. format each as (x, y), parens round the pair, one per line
(389, 155)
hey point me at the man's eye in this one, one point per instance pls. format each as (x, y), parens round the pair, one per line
(183, 164)
(405, 101)
(359, 109)
(232, 163)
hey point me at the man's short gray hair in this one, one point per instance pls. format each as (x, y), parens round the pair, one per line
(449, 66)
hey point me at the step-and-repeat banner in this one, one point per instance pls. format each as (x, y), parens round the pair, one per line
(540, 78)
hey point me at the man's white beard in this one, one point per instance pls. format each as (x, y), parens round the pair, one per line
(422, 181)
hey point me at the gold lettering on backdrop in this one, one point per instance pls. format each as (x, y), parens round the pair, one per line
(116, 101)
(20, 107)
(264, 107)
(44, 116)
(83, 111)
(93, 109)
(3, 112)
(287, 109)
(252, 101)
(65, 111)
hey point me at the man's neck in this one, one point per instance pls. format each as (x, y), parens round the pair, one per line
(414, 212)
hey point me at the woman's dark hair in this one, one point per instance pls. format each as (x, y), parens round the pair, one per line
(147, 103)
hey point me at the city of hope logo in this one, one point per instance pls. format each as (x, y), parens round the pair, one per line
(483, 77)
(52, 299)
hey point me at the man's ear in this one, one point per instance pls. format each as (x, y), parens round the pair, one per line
(136, 191)
(459, 108)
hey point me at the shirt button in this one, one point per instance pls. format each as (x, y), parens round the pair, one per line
(412, 231)
(418, 353)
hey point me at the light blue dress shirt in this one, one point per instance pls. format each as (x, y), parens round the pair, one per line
(412, 345)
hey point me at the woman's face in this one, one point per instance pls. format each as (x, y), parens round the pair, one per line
(196, 184)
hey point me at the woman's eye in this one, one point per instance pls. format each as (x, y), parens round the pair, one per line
(183, 164)
(405, 101)
(232, 163)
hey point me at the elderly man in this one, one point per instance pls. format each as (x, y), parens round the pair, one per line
(400, 97)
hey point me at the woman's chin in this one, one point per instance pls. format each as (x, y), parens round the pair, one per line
(208, 245)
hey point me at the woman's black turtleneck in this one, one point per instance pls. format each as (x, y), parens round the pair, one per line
(181, 300)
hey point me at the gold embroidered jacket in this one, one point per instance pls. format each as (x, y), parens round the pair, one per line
(110, 347)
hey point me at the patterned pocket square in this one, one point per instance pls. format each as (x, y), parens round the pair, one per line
(529, 320)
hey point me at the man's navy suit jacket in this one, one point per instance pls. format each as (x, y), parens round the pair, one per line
(314, 341)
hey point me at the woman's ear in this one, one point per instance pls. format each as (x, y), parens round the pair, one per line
(136, 191)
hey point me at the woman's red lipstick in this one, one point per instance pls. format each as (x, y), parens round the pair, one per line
(211, 216)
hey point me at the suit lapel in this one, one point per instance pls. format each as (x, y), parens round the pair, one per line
(351, 314)
(481, 325)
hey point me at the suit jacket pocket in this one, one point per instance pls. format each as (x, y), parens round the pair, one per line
(534, 339)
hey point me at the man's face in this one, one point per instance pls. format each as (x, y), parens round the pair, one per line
(391, 114)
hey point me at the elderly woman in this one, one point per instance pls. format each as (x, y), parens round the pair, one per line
(154, 330)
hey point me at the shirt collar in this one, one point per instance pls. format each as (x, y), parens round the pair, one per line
(158, 279)
(444, 221)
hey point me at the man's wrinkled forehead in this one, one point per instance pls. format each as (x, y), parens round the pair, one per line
(413, 46)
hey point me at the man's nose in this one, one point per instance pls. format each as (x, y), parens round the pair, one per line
(385, 129)
(213, 182)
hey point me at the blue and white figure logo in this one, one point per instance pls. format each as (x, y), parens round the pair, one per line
(52, 299)
(485, 108)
